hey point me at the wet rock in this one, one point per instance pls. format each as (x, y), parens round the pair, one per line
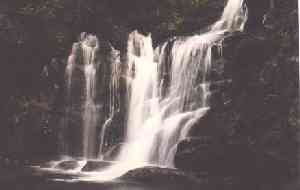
(201, 154)
(91, 166)
(256, 9)
(226, 157)
(68, 165)
(113, 152)
(162, 176)
(206, 15)
(248, 61)
(232, 164)
(219, 99)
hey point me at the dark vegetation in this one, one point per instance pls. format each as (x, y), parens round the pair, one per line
(250, 134)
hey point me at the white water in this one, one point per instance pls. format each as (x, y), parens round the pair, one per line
(69, 69)
(83, 56)
(89, 49)
(144, 103)
(234, 16)
(68, 74)
(156, 122)
(114, 97)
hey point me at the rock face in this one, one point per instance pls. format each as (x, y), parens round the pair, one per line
(250, 132)
(162, 176)
(167, 178)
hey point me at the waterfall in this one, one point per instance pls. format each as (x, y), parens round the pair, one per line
(89, 48)
(143, 102)
(93, 89)
(83, 57)
(234, 16)
(156, 122)
(114, 97)
(168, 91)
(68, 75)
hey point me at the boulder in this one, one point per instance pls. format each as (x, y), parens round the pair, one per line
(199, 154)
(216, 157)
(67, 165)
(162, 176)
(167, 178)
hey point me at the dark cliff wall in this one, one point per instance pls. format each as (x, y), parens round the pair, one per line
(250, 135)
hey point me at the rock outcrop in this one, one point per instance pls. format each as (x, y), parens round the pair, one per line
(163, 177)
(251, 129)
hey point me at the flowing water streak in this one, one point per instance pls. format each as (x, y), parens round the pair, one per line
(114, 97)
(89, 48)
(69, 69)
(102, 137)
(191, 60)
(68, 74)
(233, 18)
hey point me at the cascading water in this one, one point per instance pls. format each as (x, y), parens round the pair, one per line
(157, 123)
(89, 47)
(83, 56)
(187, 95)
(114, 97)
(68, 73)
(168, 92)
(164, 104)
(143, 99)
(89, 69)
(233, 18)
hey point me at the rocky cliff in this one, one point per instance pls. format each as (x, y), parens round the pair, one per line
(250, 135)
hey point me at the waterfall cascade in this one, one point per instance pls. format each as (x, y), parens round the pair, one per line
(114, 98)
(158, 121)
(92, 84)
(83, 55)
(168, 91)
(89, 47)
(143, 102)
